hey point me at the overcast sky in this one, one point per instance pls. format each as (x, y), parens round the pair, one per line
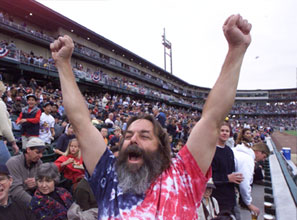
(195, 30)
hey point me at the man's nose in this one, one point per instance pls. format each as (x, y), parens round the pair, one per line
(134, 138)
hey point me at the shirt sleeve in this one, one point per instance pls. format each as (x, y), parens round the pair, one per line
(5, 125)
(36, 119)
(17, 188)
(197, 179)
(20, 117)
(104, 173)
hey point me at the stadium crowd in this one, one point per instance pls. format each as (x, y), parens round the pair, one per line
(109, 113)
(45, 177)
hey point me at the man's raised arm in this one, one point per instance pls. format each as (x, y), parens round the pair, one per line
(203, 138)
(90, 140)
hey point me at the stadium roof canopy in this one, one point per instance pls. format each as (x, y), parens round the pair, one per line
(48, 19)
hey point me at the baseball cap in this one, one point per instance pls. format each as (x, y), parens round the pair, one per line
(31, 95)
(35, 142)
(47, 103)
(4, 170)
(210, 184)
(261, 147)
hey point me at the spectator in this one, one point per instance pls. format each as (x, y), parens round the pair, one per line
(29, 119)
(223, 169)
(33, 84)
(104, 133)
(160, 116)
(115, 140)
(245, 158)
(23, 168)
(59, 127)
(109, 121)
(11, 208)
(70, 164)
(132, 185)
(84, 196)
(50, 202)
(47, 124)
(63, 140)
(55, 112)
(17, 106)
(209, 207)
(5, 130)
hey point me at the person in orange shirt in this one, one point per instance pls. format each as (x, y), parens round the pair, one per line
(104, 133)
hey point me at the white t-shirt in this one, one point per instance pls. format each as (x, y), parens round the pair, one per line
(46, 122)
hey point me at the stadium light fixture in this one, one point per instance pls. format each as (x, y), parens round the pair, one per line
(31, 14)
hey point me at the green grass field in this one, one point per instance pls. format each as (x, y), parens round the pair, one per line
(292, 132)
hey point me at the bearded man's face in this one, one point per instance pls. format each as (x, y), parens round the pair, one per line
(247, 136)
(140, 160)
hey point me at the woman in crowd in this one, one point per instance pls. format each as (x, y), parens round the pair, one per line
(70, 164)
(209, 207)
(50, 202)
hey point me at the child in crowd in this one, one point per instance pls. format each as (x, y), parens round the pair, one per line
(70, 164)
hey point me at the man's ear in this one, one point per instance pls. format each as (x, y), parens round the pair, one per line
(10, 180)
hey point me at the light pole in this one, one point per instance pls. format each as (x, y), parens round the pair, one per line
(167, 46)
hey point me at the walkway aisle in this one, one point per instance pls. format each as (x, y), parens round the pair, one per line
(258, 200)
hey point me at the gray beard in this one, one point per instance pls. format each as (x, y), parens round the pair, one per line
(133, 182)
(137, 181)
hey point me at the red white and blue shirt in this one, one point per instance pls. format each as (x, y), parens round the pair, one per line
(175, 194)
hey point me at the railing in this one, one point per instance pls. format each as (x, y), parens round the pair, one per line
(287, 172)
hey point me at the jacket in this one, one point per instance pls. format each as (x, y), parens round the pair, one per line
(71, 173)
(30, 128)
(20, 172)
(245, 163)
(47, 208)
(5, 125)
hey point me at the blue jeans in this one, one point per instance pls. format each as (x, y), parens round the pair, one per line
(4, 153)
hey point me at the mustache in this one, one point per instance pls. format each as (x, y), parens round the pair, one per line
(134, 149)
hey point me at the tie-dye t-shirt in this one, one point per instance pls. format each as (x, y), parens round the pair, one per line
(175, 194)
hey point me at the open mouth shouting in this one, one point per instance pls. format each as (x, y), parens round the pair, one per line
(134, 157)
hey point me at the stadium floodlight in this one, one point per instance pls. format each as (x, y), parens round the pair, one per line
(167, 46)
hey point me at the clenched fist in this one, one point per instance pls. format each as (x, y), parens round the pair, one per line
(237, 31)
(62, 49)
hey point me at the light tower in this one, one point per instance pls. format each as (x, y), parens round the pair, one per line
(167, 47)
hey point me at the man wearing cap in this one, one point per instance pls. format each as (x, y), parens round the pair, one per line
(5, 129)
(29, 119)
(9, 207)
(23, 168)
(47, 124)
(245, 158)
